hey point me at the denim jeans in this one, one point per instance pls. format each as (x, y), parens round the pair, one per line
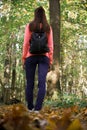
(30, 67)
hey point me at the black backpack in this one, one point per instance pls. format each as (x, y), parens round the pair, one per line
(38, 43)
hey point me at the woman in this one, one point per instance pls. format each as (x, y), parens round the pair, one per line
(30, 61)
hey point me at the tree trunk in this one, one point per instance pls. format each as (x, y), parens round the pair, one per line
(6, 87)
(13, 66)
(54, 8)
(53, 75)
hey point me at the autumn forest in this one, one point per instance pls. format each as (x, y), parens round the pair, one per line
(65, 104)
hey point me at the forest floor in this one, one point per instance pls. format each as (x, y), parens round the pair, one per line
(17, 116)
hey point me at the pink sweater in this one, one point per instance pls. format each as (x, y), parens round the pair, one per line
(26, 45)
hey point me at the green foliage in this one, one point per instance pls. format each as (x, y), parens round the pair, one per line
(67, 100)
(73, 44)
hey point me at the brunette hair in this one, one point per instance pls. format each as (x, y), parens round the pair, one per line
(39, 19)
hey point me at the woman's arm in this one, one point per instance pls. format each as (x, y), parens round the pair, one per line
(50, 45)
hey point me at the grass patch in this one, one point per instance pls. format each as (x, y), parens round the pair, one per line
(67, 100)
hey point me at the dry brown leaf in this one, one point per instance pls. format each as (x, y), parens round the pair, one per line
(75, 125)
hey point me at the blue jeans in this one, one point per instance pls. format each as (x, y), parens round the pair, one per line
(30, 68)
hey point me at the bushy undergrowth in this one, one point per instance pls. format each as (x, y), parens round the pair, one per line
(67, 100)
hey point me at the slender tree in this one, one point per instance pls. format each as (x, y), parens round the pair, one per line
(6, 90)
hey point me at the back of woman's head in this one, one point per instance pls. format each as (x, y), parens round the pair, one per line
(39, 17)
(40, 14)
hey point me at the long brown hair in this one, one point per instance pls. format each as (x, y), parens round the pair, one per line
(39, 19)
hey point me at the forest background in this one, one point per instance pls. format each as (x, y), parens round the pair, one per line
(67, 81)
